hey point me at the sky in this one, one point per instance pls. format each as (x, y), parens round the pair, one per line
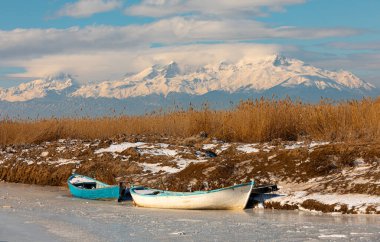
(97, 40)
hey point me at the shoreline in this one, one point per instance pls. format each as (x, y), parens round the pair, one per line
(276, 201)
(313, 175)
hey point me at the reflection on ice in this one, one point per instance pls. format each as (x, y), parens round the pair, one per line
(52, 215)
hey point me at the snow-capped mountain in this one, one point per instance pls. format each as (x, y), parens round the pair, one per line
(257, 76)
(165, 85)
(57, 84)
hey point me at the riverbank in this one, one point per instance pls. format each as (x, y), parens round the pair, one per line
(45, 213)
(312, 175)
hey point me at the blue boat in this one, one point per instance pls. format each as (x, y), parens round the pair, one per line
(89, 188)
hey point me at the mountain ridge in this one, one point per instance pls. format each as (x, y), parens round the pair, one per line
(254, 76)
(172, 84)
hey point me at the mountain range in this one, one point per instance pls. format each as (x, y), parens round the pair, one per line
(168, 86)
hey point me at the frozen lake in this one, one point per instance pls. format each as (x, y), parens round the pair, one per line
(35, 213)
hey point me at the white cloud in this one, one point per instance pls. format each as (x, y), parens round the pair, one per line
(365, 64)
(31, 43)
(107, 52)
(86, 8)
(223, 8)
(104, 65)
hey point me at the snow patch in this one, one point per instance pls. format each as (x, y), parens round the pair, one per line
(155, 168)
(183, 163)
(29, 162)
(60, 149)
(351, 200)
(296, 145)
(317, 143)
(224, 147)
(209, 146)
(44, 154)
(248, 148)
(119, 147)
(60, 162)
(164, 152)
(180, 162)
(272, 156)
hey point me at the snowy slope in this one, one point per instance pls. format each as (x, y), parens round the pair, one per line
(172, 85)
(38, 88)
(257, 76)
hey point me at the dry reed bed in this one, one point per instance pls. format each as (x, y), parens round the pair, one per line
(250, 121)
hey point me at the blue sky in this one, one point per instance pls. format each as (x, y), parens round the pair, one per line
(104, 39)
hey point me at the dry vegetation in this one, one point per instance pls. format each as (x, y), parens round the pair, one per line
(251, 121)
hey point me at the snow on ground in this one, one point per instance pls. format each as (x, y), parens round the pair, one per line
(120, 147)
(301, 144)
(248, 148)
(162, 151)
(223, 148)
(44, 153)
(60, 149)
(272, 156)
(296, 145)
(317, 143)
(267, 147)
(61, 162)
(181, 164)
(155, 168)
(351, 200)
(27, 161)
(143, 148)
(209, 146)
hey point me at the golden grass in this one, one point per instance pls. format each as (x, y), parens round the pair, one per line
(250, 121)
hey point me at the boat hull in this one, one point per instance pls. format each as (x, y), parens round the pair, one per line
(231, 198)
(106, 192)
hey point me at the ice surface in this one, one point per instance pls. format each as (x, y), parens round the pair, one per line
(332, 236)
(50, 214)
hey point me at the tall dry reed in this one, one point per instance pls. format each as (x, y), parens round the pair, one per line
(250, 121)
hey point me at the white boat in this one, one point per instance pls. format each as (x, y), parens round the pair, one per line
(231, 198)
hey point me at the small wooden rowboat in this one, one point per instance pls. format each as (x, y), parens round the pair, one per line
(231, 198)
(89, 188)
